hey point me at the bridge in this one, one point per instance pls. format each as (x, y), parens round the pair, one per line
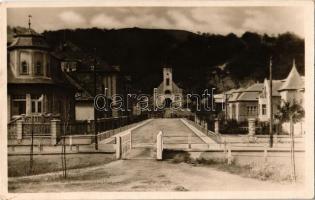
(141, 142)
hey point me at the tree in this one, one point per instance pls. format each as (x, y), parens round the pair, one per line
(291, 111)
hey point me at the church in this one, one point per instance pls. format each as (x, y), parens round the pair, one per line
(167, 94)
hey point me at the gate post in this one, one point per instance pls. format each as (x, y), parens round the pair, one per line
(251, 126)
(19, 130)
(54, 130)
(118, 147)
(159, 146)
(216, 126)
(229, 155)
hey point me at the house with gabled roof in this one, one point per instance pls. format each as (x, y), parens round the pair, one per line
(263, 101)
(242, 103)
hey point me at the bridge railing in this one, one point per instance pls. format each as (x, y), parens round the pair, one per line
(123, 145)
(159, 146)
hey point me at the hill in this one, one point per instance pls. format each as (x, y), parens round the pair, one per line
(198, 60)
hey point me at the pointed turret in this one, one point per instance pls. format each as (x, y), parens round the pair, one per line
(293, 81)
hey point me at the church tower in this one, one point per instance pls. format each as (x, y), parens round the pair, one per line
(167, 81)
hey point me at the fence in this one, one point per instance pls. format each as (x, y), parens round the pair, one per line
(40, 129)
(77, 128)
(105, 124)
(12, 131)
(123, 145)
(203, 126)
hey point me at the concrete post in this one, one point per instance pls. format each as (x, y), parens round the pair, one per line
(251, 126)
(28, 104)
(89, 130)
(19, 130)
(265, 153)
(216, 126)
(159, 146)
(118, 147)
(54, 130)
(229, 155)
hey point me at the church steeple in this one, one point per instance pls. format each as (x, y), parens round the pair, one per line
(29, 22)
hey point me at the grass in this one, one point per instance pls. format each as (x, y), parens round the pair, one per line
(262, 171)
(20, 165)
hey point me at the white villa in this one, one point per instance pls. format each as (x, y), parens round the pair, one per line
(253, 101)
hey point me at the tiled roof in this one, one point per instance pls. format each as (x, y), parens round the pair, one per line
(248, 96)
(251, 93)
(257, 87)
(29, 39)
(235, 94)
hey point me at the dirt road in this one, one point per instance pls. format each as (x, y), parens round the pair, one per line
(143, 175)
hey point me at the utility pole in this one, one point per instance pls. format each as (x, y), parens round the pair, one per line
(95, 116)
(32, 145)
(270, 104)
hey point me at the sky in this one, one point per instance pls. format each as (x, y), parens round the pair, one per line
(215, 20)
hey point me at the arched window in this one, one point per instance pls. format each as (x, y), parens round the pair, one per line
(24, 67)
(38, 68)
(167, 92)
(167, 81)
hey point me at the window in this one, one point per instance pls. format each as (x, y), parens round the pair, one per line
(38, 68)
(38, 63)
(24, 67)
(37, 102)
(251, 110)
(263, 109)
(18, 105)
(167, 81)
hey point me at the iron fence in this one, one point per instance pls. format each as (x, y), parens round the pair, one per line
(37, 128)
(12, 130)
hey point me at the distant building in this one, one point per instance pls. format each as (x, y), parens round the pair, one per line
(243, 103)
(287, 90)
(168, 93)
(293, 87)
(69, 65)
(108, 82)
(80, 66)
(36, 83)
(263, 101)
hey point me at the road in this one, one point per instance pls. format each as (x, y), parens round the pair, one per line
(143, 173)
